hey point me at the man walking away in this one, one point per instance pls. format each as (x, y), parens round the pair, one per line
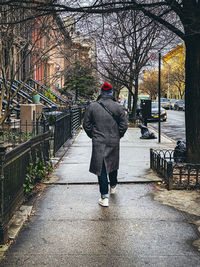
(105, 122)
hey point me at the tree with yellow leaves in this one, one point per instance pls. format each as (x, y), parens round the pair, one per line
(149, 84)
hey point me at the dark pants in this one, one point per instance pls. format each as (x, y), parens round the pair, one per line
(103, 181)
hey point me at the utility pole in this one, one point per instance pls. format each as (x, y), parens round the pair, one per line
(159, 90)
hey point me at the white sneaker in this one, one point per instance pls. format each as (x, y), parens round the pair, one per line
(113, 189)
(103, 202)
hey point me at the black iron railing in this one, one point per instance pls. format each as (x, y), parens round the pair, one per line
(14, 162)
(66, 125)
(13, 170)
(76, 117)
(16, 132)
(177, 175)
(41, 87)
(28, 89)
(62, 130)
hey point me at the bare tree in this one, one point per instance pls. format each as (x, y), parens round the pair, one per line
(185, 24)
(127, 41)
(115, 78)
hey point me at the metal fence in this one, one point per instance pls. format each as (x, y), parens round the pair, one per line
(13, 170)
(75, 118)
(17, 132)
(16, 157)
(62, 130)
(66, 125)
(177, 175)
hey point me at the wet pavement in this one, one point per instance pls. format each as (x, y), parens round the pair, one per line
(174, 127)
(134, 159)
(69, 228)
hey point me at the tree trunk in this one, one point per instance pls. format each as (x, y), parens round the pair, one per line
(135, 100)
(129, 101)
(192, 98)
(116, 93)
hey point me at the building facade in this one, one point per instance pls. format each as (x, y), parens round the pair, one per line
(174, 70)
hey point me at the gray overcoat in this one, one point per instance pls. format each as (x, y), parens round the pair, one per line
(105, 132)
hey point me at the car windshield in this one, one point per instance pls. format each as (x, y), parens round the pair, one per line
(173, 101)
(154, 104)
(163, 100)
(181, 101)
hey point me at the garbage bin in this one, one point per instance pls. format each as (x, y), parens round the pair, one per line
(146, 110)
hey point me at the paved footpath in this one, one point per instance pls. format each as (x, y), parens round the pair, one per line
(70, 229)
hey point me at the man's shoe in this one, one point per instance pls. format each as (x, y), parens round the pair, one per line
(113, 189)
(103, 202)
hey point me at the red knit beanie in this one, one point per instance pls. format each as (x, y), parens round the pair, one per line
(106, 87)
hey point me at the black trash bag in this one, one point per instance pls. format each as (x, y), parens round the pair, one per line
(146, 133)
(180, 151)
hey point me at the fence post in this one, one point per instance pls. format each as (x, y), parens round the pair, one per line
(54, 138)
(33, 123)
(64, 125)
(151, 157)
(169, 175)
(3, 226)
(80, 116)
(47, 149)
(158, 163)
(37, 126)
(71, 122)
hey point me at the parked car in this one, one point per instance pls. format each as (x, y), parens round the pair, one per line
(168, 104)
(179, 105)
(172, 102)
(154, 112)
(164, 103)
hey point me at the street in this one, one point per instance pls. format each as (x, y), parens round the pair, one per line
(174, 127)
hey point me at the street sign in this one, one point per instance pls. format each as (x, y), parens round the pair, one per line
(153, 56)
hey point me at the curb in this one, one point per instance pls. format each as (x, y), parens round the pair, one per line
(96, 183)
(16, 224)
(162, 134)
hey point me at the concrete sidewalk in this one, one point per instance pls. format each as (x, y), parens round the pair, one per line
(70, 229)
(134, 160)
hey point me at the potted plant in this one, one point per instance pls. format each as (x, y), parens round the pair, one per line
(35, 97)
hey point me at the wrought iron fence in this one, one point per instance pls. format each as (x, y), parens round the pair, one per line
(75, 118)
(16, 132)
(13, 170)
(14, 163)
(67, 124)
(177, 175)
(62, 130)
